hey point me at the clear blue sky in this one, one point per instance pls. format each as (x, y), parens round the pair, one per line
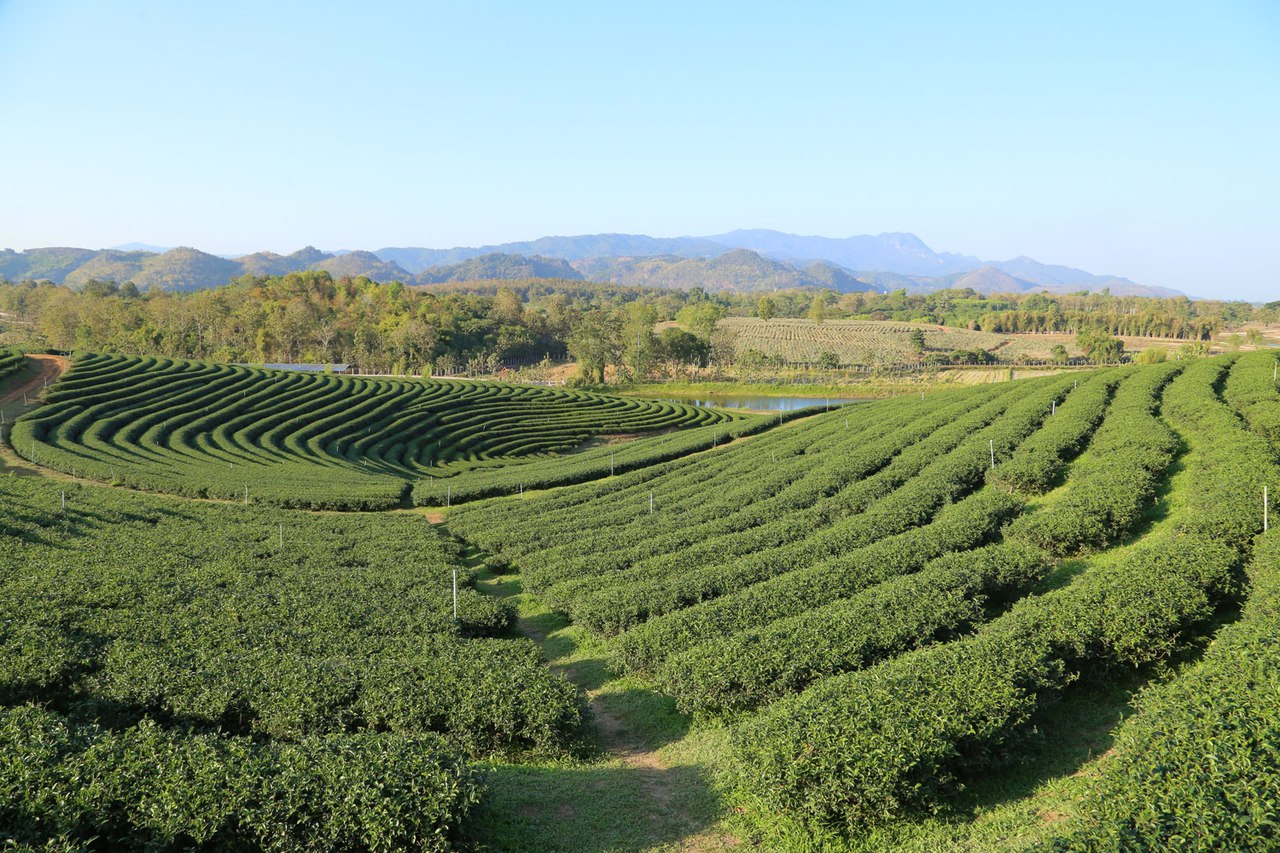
(1133, 138)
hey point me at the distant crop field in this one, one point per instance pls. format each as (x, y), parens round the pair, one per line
(877, 342)
(800, 341)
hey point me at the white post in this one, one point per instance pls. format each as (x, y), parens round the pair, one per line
(1055, 408)
(455, 595)
(246, 494)
(1266, 520)
(522, 490)
(64, 500)
(651, 502)
(991, 443)
(610, 464)
(448, 495)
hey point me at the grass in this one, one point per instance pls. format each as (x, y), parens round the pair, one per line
(644, 777)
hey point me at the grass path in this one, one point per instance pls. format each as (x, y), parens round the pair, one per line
(645, 780)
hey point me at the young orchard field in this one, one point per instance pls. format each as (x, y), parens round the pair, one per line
(324, 442)
(883, 601)
(195, 673)
(862, 342)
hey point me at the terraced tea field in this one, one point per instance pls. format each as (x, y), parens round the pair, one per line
(914, 623)
(306, 440)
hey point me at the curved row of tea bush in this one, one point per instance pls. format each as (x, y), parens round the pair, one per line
(609, 460)
(1112, 485)
(757, 666)
(948, 596)
(1198, 766)
(554, 526)
(308, 440)
(71, 785)
(873, 743)
(765, 494)
(11, 361)
(1251, 390)
(893, 509)
(782, 537)
(769, 530)
(963, 525)
(1039, 460)
(279, 624)
(750, 593)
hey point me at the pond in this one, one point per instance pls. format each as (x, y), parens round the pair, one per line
(760, 404)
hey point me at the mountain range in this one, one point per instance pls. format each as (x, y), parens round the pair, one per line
(743, 261)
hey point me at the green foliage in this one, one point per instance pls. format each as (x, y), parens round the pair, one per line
(766, 309)
(869, 744)
(11, 361)
(270, 623)
(1196, 767)
(312, 440)
(146, 787)
(1100, 347)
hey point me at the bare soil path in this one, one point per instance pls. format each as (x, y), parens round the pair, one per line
(18, 395)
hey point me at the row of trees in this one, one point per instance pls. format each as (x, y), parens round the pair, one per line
(482, 327)
(311, 317)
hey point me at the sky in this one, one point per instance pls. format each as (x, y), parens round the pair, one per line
(1136, 138)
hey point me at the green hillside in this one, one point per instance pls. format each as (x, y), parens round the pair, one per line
(313, 440)
(1033, 615)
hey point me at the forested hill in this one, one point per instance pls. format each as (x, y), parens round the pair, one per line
(740, 261)
(740, 271)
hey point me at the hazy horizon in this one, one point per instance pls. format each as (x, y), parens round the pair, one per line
(1133, 141)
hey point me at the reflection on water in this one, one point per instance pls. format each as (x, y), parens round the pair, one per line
(762, 404)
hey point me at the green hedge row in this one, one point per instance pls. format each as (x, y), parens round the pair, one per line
(757, 666)
(68, 785)
(1038, 462)
(894, 511)
(1251, 391)
(276, 624)
(869, 744)
(965, 524)
(1110, 487)
(792, 540)
(11, 361)
(1198, 766)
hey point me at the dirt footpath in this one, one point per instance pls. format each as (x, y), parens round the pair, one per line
(47, 369)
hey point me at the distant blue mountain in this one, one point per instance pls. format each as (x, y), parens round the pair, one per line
(722, 261)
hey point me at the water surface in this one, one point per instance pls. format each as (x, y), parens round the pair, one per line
(761, 404)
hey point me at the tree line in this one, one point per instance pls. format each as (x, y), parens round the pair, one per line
(486, 327)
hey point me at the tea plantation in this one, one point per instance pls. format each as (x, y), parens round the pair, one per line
(330, 442)
(865, 629)
(883, 603)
